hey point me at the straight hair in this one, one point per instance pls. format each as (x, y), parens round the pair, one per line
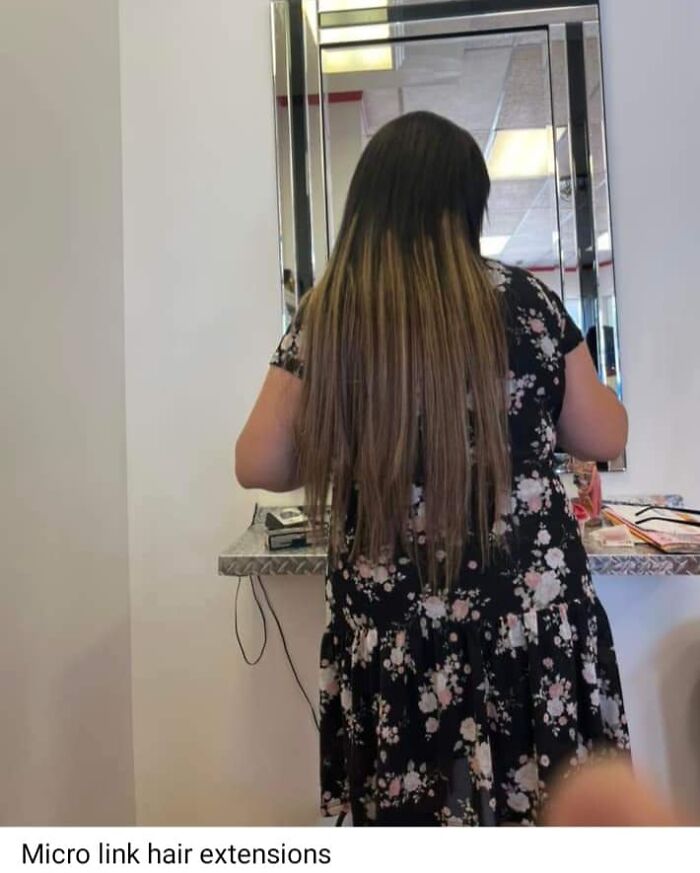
(406, 356)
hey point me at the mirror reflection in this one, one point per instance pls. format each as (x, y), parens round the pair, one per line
(532, 98)
(498, 87)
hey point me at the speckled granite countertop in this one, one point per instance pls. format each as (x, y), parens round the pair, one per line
(248, 556)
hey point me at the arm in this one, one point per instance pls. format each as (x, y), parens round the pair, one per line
(265, 451)
(593, 423)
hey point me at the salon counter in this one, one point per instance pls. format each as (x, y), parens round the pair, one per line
(248, 555)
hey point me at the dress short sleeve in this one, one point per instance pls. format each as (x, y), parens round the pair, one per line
(288, 354)
(566, 331)
(570, 334)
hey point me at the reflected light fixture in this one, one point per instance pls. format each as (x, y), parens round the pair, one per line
(605, 242)
(492, 246)
(363, 58)
(523, 154)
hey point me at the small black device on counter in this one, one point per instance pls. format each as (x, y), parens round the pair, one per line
(290, 528)
(290, 517)
(294, 539)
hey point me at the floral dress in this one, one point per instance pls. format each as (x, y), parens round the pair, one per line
(459, 708)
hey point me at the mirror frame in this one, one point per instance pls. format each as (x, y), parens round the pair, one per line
(300, 32)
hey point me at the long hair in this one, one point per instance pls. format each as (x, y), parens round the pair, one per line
(405, 354)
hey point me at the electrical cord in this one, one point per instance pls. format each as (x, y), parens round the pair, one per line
(252, 662)
(288, 654)
(249, 662)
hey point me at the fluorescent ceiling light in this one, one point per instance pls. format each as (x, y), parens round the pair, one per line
(492, 246)
(360, 59)
(605, 242)
(363, 59)
(523, 154)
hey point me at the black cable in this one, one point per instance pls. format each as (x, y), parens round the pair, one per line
(341, 818)
(287, 653)
(264, 624)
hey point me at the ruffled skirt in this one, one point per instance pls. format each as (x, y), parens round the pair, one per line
(461, 718)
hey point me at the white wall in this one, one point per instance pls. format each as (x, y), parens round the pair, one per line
(215, 742)
(652, 82)
(656, 625)
(345, 145)
(65, 686)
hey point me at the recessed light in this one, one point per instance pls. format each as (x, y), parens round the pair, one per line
(523, 154)
(605, 242)
(364, 59)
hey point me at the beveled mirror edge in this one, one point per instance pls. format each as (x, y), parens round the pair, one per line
(316, 132)
(340, 34)
(281, 92)
(619, 465)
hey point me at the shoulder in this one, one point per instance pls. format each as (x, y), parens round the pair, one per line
(526, 292)
(512, 280)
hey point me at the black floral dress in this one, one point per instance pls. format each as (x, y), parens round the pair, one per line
(459, 708)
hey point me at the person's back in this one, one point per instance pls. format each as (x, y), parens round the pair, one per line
(466, 656)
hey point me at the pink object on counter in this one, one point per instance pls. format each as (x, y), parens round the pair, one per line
(589, 484)
(581, 514)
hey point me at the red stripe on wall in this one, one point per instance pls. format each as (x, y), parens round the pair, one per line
(333, 97)
(566, 270)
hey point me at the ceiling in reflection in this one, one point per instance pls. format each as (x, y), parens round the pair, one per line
(486, 84)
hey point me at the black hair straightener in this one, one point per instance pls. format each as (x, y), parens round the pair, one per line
(642, 518)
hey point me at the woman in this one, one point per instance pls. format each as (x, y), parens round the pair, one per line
(466, 657)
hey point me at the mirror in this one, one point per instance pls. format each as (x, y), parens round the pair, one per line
(523, 78)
